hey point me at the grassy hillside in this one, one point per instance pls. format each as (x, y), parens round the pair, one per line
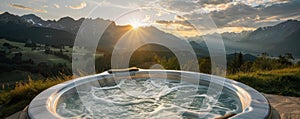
(11, 73)
(37, 55)
(282, 82)
(18, 98)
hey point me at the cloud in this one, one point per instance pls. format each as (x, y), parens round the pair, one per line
(264, 3)
(230, 15)
(116, 5)
(39, 10)
(179, 18)
(216, 7)
(179, 5)
(235, 29)
(122, 3)
(241, 12)
(179, 30)
(289, 9)
(243, 15)
(214, 2)
(175, 22)
(21, 7)
(180, 27)
(82, 5)
(253, 3)
(27, 8)
(56, 5)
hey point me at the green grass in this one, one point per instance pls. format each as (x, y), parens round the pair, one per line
(17, 99)
(38, 56)
(281, 82)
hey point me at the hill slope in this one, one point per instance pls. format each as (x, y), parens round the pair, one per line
(282, 82)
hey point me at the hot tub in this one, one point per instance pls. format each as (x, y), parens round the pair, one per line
(141, 93)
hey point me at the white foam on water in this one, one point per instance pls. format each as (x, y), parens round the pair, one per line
(146, 98)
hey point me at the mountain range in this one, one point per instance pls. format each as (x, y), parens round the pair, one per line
(63, 31)
(60, 32)
(275, 40)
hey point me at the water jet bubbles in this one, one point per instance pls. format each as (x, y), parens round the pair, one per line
(158, 78)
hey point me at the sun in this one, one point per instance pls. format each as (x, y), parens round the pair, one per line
(136, 24)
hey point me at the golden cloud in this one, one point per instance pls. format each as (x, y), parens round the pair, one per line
(217, 7)
(181, 28)
(27, 8)
(234, 29)
(82, 5)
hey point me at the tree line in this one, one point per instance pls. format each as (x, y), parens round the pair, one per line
(238, 63)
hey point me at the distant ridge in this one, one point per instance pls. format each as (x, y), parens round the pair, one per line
(275, 40)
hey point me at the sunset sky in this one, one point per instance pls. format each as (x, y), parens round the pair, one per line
(228, 15)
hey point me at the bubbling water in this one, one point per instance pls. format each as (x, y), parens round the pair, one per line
(147, 98)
